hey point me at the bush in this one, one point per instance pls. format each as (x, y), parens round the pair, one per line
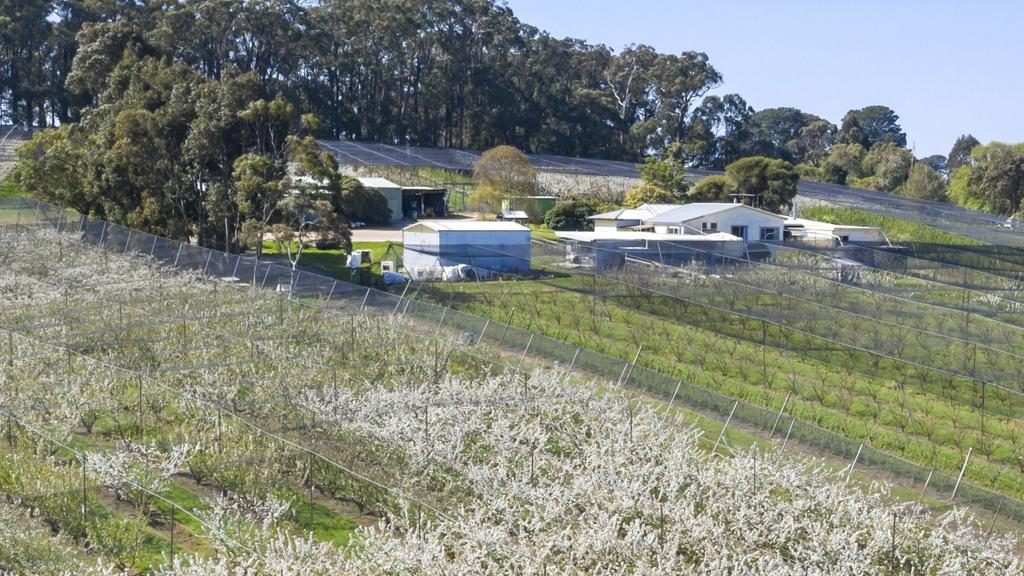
(571, 216)
(361, 203)
(485, 200)
(648, 194)
(711, 189)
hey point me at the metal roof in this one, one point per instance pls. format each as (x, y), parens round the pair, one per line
(642, 212)
(653, 236)
(515, 215)
(469, 226)
(688, 212)
(374, 182)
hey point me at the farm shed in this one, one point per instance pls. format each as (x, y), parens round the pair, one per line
(434, 246)
(535, 206)
(392, 193)
(604, 249)
(746, 222)
(409, 202)
(816, 232)
(424, 202)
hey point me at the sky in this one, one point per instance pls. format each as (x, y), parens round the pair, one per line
(946, 67)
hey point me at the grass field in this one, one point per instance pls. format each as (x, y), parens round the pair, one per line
(8, 188)
(332, 262)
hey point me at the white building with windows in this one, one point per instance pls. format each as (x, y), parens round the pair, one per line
(745, 222)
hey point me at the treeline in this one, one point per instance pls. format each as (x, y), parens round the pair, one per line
(462, 73)
(182, 85)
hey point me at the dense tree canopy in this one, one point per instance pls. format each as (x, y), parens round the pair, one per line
(992, 180)
(924, 183)
(572, 215)
(889, 164)
(462, 74)
(358, 202)
(960, 154)
(711, 189)
(790, 134)
(649, 194)
(879, 124)
(505, 171)
(767, 183)
(176, 116)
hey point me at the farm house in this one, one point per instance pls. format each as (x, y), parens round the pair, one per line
(748, 223)
(440, 249)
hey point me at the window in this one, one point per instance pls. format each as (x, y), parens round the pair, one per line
(673, 229)
(769, 233)
(709, 226)
(844, 239)
(740, 231)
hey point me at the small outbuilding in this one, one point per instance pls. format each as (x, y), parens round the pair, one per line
(815, 232)
(517, 216)
(448, 249)
(424, 202)
(534, 206)
(409, 202)
(392, 193)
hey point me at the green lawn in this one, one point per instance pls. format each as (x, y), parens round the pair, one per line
(8, 189)
(332, 262)
(542, 232)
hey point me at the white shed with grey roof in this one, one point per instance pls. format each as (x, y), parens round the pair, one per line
(432, 247)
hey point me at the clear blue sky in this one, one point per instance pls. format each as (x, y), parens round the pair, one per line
(946, 67)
